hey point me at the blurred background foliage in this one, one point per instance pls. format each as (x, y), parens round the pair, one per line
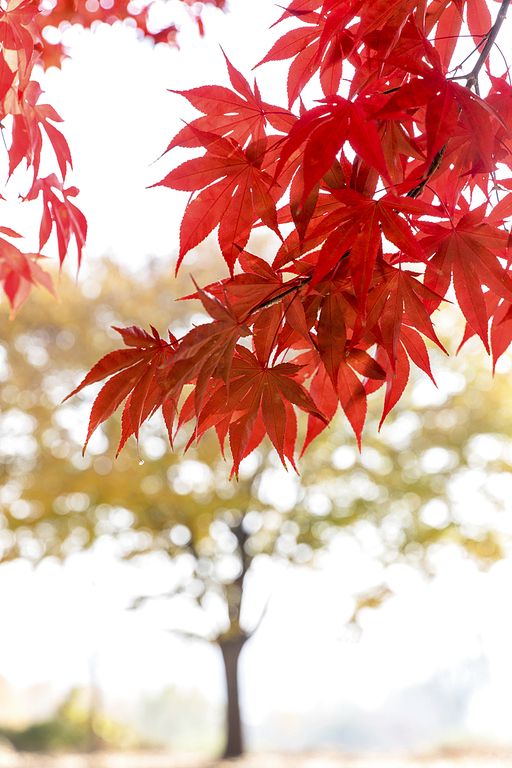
(436, 475)
(403, 491)
(171, 718)
(76, 726)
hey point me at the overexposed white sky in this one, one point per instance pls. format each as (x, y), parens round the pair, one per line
(58, 618)
(119, 118)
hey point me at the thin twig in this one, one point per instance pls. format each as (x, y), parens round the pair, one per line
(277, 299)
(191, 635)
(2, 129)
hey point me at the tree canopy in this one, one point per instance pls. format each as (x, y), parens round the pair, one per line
(384, 180)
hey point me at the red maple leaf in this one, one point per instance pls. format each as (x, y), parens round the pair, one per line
(324, 130)
(257, 389)
(240, 114)
(466, 249)
(20, 272)
(59, 211)
(205, 351)
(27, 133)
(132, 373)
(18, 31)
(391, 173)
(235, 193)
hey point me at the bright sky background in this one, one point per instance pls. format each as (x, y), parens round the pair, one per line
(119, 119)
(56, 618)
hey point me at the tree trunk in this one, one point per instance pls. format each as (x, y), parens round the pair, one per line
(231, 649)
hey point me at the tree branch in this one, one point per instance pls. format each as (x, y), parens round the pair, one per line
(472, 78)
(141, 599)
(192, 636)
(471, 82)
(258, 623)
(434, 165)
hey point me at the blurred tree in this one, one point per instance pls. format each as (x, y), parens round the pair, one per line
(401, 496)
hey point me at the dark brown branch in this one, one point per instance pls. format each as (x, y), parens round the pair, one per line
(279, 297)
(434, 165)
(472, 78)
(471, 82)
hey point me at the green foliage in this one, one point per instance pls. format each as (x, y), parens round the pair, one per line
(75, 727)
(48, 736)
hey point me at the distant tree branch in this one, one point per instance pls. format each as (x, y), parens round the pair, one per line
(262, 616)
(192, 636)
(141, 599)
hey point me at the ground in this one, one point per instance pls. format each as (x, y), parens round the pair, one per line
(471, 759)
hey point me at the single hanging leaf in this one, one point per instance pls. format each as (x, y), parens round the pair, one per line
(240, 114)
(396, 381)
(352, 399)
(325, 398)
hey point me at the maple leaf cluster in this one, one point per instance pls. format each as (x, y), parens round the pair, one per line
(29, 124)
(59, 14)
(382, 195)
